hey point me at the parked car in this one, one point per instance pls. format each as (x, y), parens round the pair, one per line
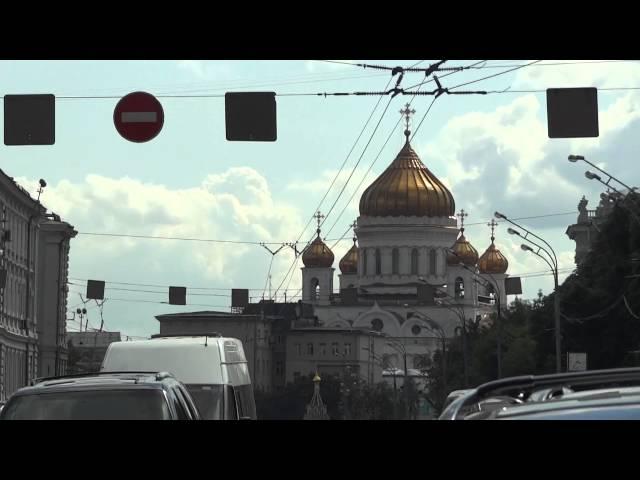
(213, 368)
(111, 396)
(591, 395)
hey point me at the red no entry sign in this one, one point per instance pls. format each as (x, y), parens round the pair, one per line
(138, 117)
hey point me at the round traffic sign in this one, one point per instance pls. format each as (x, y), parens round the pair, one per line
(138, 117)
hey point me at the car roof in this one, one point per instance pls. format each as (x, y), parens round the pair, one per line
(605, 400)
(588, 389)
(106, 380)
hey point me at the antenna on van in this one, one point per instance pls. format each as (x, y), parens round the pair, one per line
(206, 341)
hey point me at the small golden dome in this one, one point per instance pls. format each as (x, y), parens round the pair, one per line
(317, 254)
(464, 252)
(316, 379)
(407, 188)
(349, 263)
(492, 261)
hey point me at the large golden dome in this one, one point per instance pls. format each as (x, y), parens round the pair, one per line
(492, 261)
(407, 188)
(317, 254)
(349, 263)
(464, 252)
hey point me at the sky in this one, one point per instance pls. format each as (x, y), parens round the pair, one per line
(492, 151)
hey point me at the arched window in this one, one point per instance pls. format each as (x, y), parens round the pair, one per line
(459, 288)
(432, 262)
(395, 261)
(364, 261)
(414, 261)
(378, 262)
(377, 324)
(309, 348)
(315, 289)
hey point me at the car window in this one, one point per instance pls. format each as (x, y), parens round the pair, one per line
(193, 411)
(179, 405)
(125, 404)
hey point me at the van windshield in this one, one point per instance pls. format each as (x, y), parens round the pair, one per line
(208, 399)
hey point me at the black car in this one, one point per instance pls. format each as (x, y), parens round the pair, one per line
(105, 396)
(591, 395)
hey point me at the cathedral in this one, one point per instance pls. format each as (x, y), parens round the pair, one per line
(411, 273)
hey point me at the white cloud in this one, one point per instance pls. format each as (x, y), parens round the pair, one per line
(601, 75)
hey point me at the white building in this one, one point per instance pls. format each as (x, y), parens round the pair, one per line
(34, 249)
(401, 257)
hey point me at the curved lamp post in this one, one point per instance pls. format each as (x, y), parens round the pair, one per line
(552, 262)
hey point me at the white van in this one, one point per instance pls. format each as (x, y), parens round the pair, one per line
(213, 368)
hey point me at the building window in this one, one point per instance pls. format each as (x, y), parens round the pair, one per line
(364, 261)
(323, 349)
(432, 262)
(416, 329)
(309, 348)
(459, 288)
(335, 349)
(279, 368)
(298, 349)
(414, 262)
(347, 349)
(378, 262)
(377, 324)
(395, 261)
(296, 375)
(315, 289)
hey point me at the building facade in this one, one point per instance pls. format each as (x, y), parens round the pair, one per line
(26, 272)
(411, 273)
(328, 351)
(585, 231)
(86, 350)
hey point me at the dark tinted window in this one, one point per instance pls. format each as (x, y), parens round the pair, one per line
(245, 401)
(130, 404)
(208, 399)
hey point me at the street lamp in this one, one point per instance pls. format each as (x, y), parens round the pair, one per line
(399, 347)
(592, 176)
(436, 328)
(496, 288)
(552, 261)
(463, 326)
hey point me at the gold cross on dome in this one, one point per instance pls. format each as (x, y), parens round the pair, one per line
(462, 214)
(318, 216)
(407, 114)
(493, 224)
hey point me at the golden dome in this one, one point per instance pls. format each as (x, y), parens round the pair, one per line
(407, 188)
(492, 261)
(349, 263)
(317, 254)
(316, 379)
(464, 252)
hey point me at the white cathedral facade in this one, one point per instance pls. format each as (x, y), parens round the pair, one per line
(411, 274)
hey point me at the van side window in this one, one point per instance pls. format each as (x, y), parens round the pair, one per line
(230, 403)
(245, 401)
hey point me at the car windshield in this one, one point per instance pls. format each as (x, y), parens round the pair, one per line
(208, 399)
(138, 404)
